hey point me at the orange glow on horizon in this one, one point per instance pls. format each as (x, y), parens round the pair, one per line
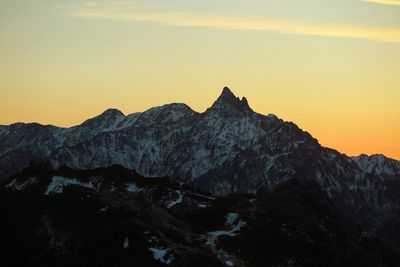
(346, 136)
(331, 67)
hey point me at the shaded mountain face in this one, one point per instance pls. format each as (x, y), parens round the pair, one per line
(228, 148)
(115, 217)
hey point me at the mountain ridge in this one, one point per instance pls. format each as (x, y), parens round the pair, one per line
(228, 148)
(116, 110)
(113, 216)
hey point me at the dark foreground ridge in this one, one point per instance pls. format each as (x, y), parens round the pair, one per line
(115, 217)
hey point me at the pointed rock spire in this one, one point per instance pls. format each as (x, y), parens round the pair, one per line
(227, 94)
(228, 102)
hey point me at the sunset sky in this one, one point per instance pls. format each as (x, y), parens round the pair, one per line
(330, 66)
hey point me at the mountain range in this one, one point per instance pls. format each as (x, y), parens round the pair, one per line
(227, 149)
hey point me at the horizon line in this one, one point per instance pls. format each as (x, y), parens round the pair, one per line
(127, 115)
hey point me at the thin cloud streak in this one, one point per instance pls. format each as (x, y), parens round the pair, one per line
(241, 23)
(384, 2)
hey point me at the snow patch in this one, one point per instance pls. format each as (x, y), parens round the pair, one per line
(160, 255)
(177, 201)
(58, 183)
(104, 209)
(132, 188)
(24, 185)
(213, 236)
(126, 243)
(112, 189)
(231, 218)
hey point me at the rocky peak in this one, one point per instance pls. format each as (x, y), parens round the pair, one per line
(105, 119)
(111, 112)
(229, 103)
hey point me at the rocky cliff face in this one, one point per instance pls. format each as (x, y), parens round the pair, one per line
(228, 148)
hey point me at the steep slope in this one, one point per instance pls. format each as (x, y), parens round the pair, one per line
(113, 216)
(228, 148)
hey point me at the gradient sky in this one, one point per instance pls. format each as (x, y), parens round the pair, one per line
(330, 66)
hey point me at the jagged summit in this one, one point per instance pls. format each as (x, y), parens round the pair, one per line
(228, 102)
(227, 94)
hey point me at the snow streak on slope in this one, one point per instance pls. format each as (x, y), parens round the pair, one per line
(58, 183)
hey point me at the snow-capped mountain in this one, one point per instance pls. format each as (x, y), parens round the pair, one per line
(228, 148)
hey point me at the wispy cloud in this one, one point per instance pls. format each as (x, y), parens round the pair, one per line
(384, 2)
(126, 11)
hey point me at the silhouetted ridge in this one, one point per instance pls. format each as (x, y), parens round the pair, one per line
(228, 102)
(107, 118)
(112, 112)
(227, 94)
